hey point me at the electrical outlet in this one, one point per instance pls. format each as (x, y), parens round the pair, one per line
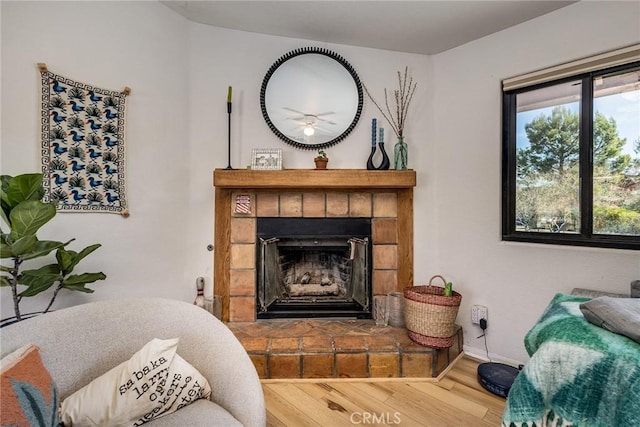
(474, 315)
(479, 312)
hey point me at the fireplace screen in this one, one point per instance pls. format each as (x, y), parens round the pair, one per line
(314, 269)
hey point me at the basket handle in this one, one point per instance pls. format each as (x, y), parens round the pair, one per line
(437, 275)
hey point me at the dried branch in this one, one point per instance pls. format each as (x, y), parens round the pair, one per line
(402, 98)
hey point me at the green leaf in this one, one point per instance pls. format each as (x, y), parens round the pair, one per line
(5, 246)
(5, 281)
(4, 184)
(76, 282)
(44, 247)
(45, 269)
(6, 268)
(65, 260)
(38, 283)
(23, 245)
(23, 188)
(28, 217)
(4, 199)
(86, 251)
(39, 280)
(5, 211)
(69, 259)
(5, 180)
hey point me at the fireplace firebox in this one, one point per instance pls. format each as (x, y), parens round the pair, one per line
(313, 267)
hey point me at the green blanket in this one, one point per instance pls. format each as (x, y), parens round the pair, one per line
(579, 374)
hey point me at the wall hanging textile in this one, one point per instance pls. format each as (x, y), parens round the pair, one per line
(83, 145)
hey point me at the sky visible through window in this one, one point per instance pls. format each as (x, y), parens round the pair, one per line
(623, 107)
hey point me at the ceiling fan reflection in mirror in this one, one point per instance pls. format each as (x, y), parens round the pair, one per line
(308, 123)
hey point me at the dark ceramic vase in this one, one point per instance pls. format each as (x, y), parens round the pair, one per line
(384, 165)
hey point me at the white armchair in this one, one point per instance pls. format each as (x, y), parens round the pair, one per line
(80, 343)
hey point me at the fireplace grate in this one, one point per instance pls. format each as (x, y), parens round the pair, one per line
(313, 268)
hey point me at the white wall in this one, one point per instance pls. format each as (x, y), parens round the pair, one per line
(177, 134)
(220, 58)
(110, 45)
(515, 281)
(176, 127)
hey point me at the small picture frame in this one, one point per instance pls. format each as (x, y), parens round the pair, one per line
(266, 159)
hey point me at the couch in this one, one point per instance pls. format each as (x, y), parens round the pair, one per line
(80, 343)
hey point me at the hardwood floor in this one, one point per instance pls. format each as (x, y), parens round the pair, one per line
(457, 399)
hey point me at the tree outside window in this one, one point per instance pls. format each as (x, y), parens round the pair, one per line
(572, 166)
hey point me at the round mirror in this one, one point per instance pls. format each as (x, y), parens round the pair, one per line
(311, 98)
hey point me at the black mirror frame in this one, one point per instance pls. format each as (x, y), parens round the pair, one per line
(293, 54)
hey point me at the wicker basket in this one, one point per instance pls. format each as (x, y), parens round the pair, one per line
(430, 315)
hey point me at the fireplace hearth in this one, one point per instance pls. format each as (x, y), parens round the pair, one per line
(313, 267)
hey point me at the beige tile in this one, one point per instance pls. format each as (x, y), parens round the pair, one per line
(337, 204)
(242, 309)
(348, 343)
(243, 256)
(384, 230)
(243, 230)
(285, 345)
(290, 205)
(313, 205)
(381, 343)
(317, 344)
(416, 365)
(255, 345)
(385, 257)
(385, 205)
(284, 366)
(384, 365)
(238, 204)
(385, 281)
(360, 205)
(317, 365)
(352, 365)
(267, 205)
(242, 282)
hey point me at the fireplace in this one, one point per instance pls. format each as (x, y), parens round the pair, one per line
(244, 197)
(313, 267)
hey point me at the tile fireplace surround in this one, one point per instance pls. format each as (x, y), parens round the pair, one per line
(320, 348)
(384, 196)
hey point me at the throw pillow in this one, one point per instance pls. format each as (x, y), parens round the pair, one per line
(28, 394)
(153, 383)
(619, 315)
(184, 385)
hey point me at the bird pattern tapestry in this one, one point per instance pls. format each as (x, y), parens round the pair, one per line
(83, 146)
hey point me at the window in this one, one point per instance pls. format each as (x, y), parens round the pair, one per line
(571, 153)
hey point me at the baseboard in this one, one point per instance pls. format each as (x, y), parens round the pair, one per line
(481, 355)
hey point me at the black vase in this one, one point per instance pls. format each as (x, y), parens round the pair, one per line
(370, 165)
(385, 159)
(384, 165)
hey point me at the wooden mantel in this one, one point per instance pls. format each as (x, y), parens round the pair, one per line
(311, 178)
(347, 181)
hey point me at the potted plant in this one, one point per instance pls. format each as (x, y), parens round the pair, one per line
(24, 213)
(321, 160)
